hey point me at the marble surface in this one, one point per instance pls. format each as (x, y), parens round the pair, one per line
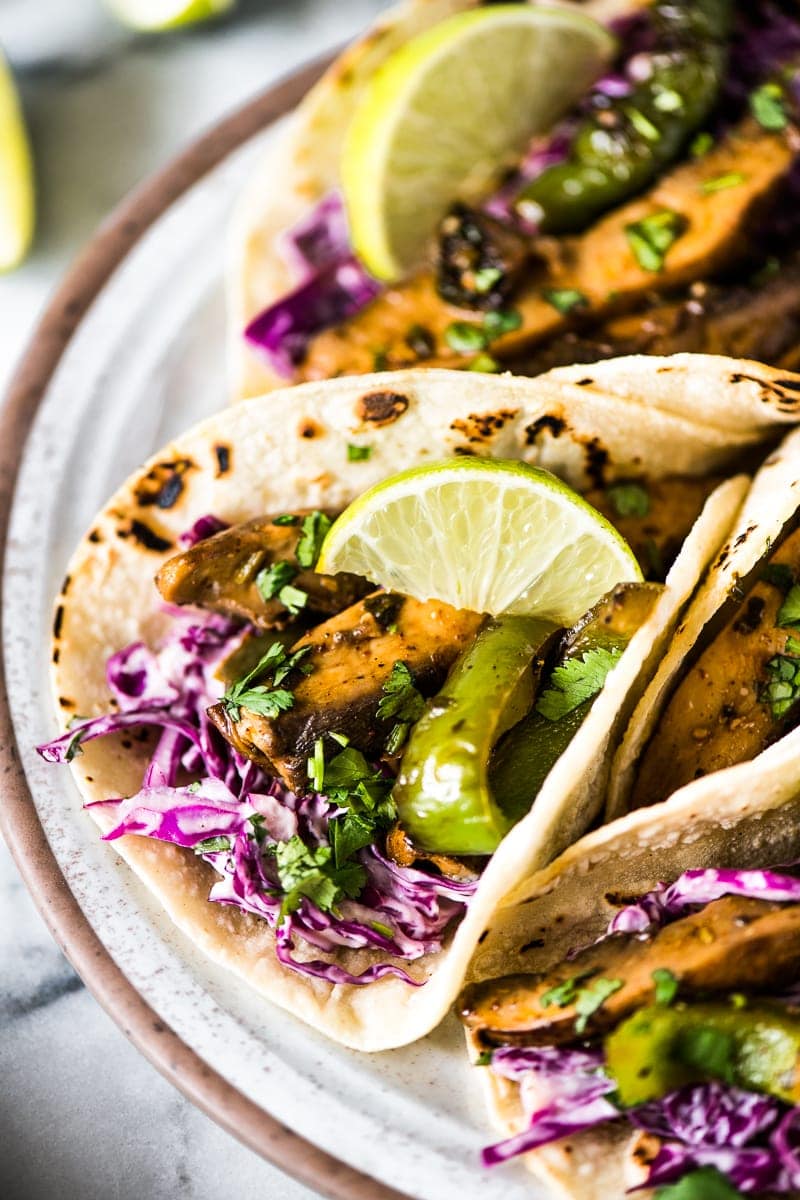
(82, 1115)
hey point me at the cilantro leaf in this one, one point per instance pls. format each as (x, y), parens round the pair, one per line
(465, 338)
(563, 993)
(313, 531)
(484, 1059)
(212, 845)
(358, 453)
(261, 699)
(293, 599)
(592, 997)
(485, 278)
(701, 144)
(768, 107)
(265, 702)
(789, 611)
(352, 784)
(652, 237)
(564, 300)
(401, 700)
(780, 575)
(311, 873)
(666, 986)
(499, 322)
(629, 499)
(286, 519)
(274, 577)
(782, 689)
(707, 1183)
(576, 680)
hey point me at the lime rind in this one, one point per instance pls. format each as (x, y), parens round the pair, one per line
(155, 16)
(17, 204)
(493, 536)
(440, 121)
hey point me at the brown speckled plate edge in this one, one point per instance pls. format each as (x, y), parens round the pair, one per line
(19, 820)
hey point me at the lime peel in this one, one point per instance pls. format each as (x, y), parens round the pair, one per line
(153, 16)
(17, 207)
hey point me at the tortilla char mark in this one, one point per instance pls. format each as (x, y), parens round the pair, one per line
(163, 484)
(381, 408)
(733, 944)
(720, 713)
(351, 657)
(599, 264)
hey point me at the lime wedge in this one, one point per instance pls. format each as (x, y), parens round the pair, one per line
(450, 111)
(152, 16)
(488, 535)
(16, 176)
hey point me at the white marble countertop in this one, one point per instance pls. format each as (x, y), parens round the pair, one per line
(82, 1115)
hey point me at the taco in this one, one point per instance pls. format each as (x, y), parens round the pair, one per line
(656, 216)
(634, 1006)
(251, 711)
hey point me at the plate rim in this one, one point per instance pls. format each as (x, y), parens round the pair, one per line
(19, 820)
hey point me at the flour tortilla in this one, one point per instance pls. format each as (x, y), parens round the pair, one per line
(745, 816)
(302, 166)
(289, 449)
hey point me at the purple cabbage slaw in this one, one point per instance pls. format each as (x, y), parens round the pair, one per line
(752, 1139)
(402, 912)
(332, 283)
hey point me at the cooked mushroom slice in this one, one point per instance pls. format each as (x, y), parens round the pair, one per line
(654, 516)
(402, 850)
(733, 944)
(737, 698)
(230, 573)
(602, 267)
(351, 657)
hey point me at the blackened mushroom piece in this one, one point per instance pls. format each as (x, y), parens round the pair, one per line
(734, 944)
(243, 570)
(478, 259)
(351, 657)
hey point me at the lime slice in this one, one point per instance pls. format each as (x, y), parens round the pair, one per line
(446, 115)
(483, 534)
(16, 176)
(154, 15)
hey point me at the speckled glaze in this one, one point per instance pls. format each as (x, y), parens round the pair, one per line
(130, 351)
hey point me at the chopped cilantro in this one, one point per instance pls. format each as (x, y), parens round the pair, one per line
(701, 144)
(768, 107)
(465, 338)
(350, 783)
(707, 1183)
(652, 237)
(563, 993)
(212, 845)
(485, 363)
(485, 278)
(783, 687)
(666, 986)
(564, 300)
(500, 322)
(260, 699)
(358, 453)
(629, 499)
(316, 766)
(312, 874)
(484, 1059)
(722, 182)
(591, 998)
(314, 528)
(293, 599)
(400, 700)
(789, 611)
(576, 680)
(286, 519)
(642, 124)
(780, 575)
(274, 577)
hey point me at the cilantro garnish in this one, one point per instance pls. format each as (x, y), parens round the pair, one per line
(485, 363)
(768, 107)
(563, 993)
(465, 338)
(350, 783)
(576, 680)
(274, 577)
(629, 499)
(701, 144)
(261, 699)
(485, 278)
(593, 997)
(780, 575)
(314, 528)
(642, 124)
(400, 700)
(564, 300)
(500, 322)
(707, 1183)
(293, 599)
(312, 874)
(652, 237)
(286, 519)
(212, 845)
(783, 688)
(666, 986)
(358, 453)
(789, 611)
(484, 1059)
(74, 747)
(723, 182)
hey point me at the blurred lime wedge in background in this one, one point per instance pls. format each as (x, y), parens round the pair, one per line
(447, 113)
(155, 15)
(490, 535)
(17, 208)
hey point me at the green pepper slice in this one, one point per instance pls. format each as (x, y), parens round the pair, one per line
(443, 798)
(660, 1049)
(620, 148)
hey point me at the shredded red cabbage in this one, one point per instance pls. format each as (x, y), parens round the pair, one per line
(233, 814)
(204, 527)
(319, 240)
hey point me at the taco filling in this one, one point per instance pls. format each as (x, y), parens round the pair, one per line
(681, 1022)
(658, 216)
(347, 758)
